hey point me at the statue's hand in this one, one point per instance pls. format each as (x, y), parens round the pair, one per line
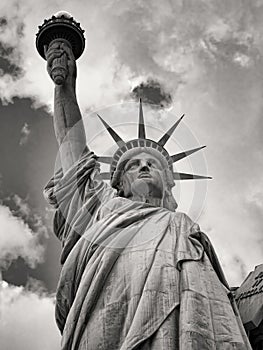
(61, 63)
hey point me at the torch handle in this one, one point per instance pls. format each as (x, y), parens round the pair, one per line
(59, 69)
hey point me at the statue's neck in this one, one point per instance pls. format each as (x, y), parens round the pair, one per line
(157, 202)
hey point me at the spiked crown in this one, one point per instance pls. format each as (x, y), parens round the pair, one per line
(142, 142)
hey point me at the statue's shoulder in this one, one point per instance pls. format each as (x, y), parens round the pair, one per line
(184, 223)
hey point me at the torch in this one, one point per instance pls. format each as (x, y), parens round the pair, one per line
(60, 27)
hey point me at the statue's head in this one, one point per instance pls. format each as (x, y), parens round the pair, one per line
(143, 167)
(144, 172)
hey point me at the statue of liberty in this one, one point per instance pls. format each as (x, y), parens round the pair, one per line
(136, 274)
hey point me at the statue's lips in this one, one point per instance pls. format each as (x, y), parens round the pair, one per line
(144, 176)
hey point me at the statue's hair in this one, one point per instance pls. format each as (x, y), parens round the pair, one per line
(169, 201)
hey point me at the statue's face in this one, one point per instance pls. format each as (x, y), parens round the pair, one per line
(143, 176)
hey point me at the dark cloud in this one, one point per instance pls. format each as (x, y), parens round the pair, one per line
(17, 273)
(6, 67)
(231, 48)
(6, 50)
(152, 92)
(20, 25)
(3, 23)
(36, 286)
(25, 170)
(9, 55)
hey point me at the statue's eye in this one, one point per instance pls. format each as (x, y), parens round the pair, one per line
(132, 165)
(152, 164)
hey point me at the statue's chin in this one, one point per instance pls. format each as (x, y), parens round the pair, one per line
(145, 187)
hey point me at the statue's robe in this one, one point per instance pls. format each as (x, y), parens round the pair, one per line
(135, 276)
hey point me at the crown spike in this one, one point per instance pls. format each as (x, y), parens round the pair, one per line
(113, 134)
(169, 133)
(141, 126)
(184, 154)
(184, 176)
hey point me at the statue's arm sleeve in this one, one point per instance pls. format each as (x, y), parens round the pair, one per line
(77, 197)
(196, 244)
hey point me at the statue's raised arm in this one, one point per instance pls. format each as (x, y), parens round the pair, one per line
(68, 124)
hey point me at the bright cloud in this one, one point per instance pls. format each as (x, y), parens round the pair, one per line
(18, 240)
(26, 319)
(125, 41)
(26, 313)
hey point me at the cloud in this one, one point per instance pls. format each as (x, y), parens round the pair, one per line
(164, 42)
(17, 239)
(152, 92)
(27, 319)
(233, 225)
(21, 209)
(25, 132)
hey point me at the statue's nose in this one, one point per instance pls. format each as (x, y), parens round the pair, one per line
(144, 167)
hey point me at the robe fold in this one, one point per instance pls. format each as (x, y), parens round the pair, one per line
(135, 276)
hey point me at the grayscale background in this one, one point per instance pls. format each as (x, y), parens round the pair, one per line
(198, 57)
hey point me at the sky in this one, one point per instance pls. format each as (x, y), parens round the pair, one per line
(200, 58)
